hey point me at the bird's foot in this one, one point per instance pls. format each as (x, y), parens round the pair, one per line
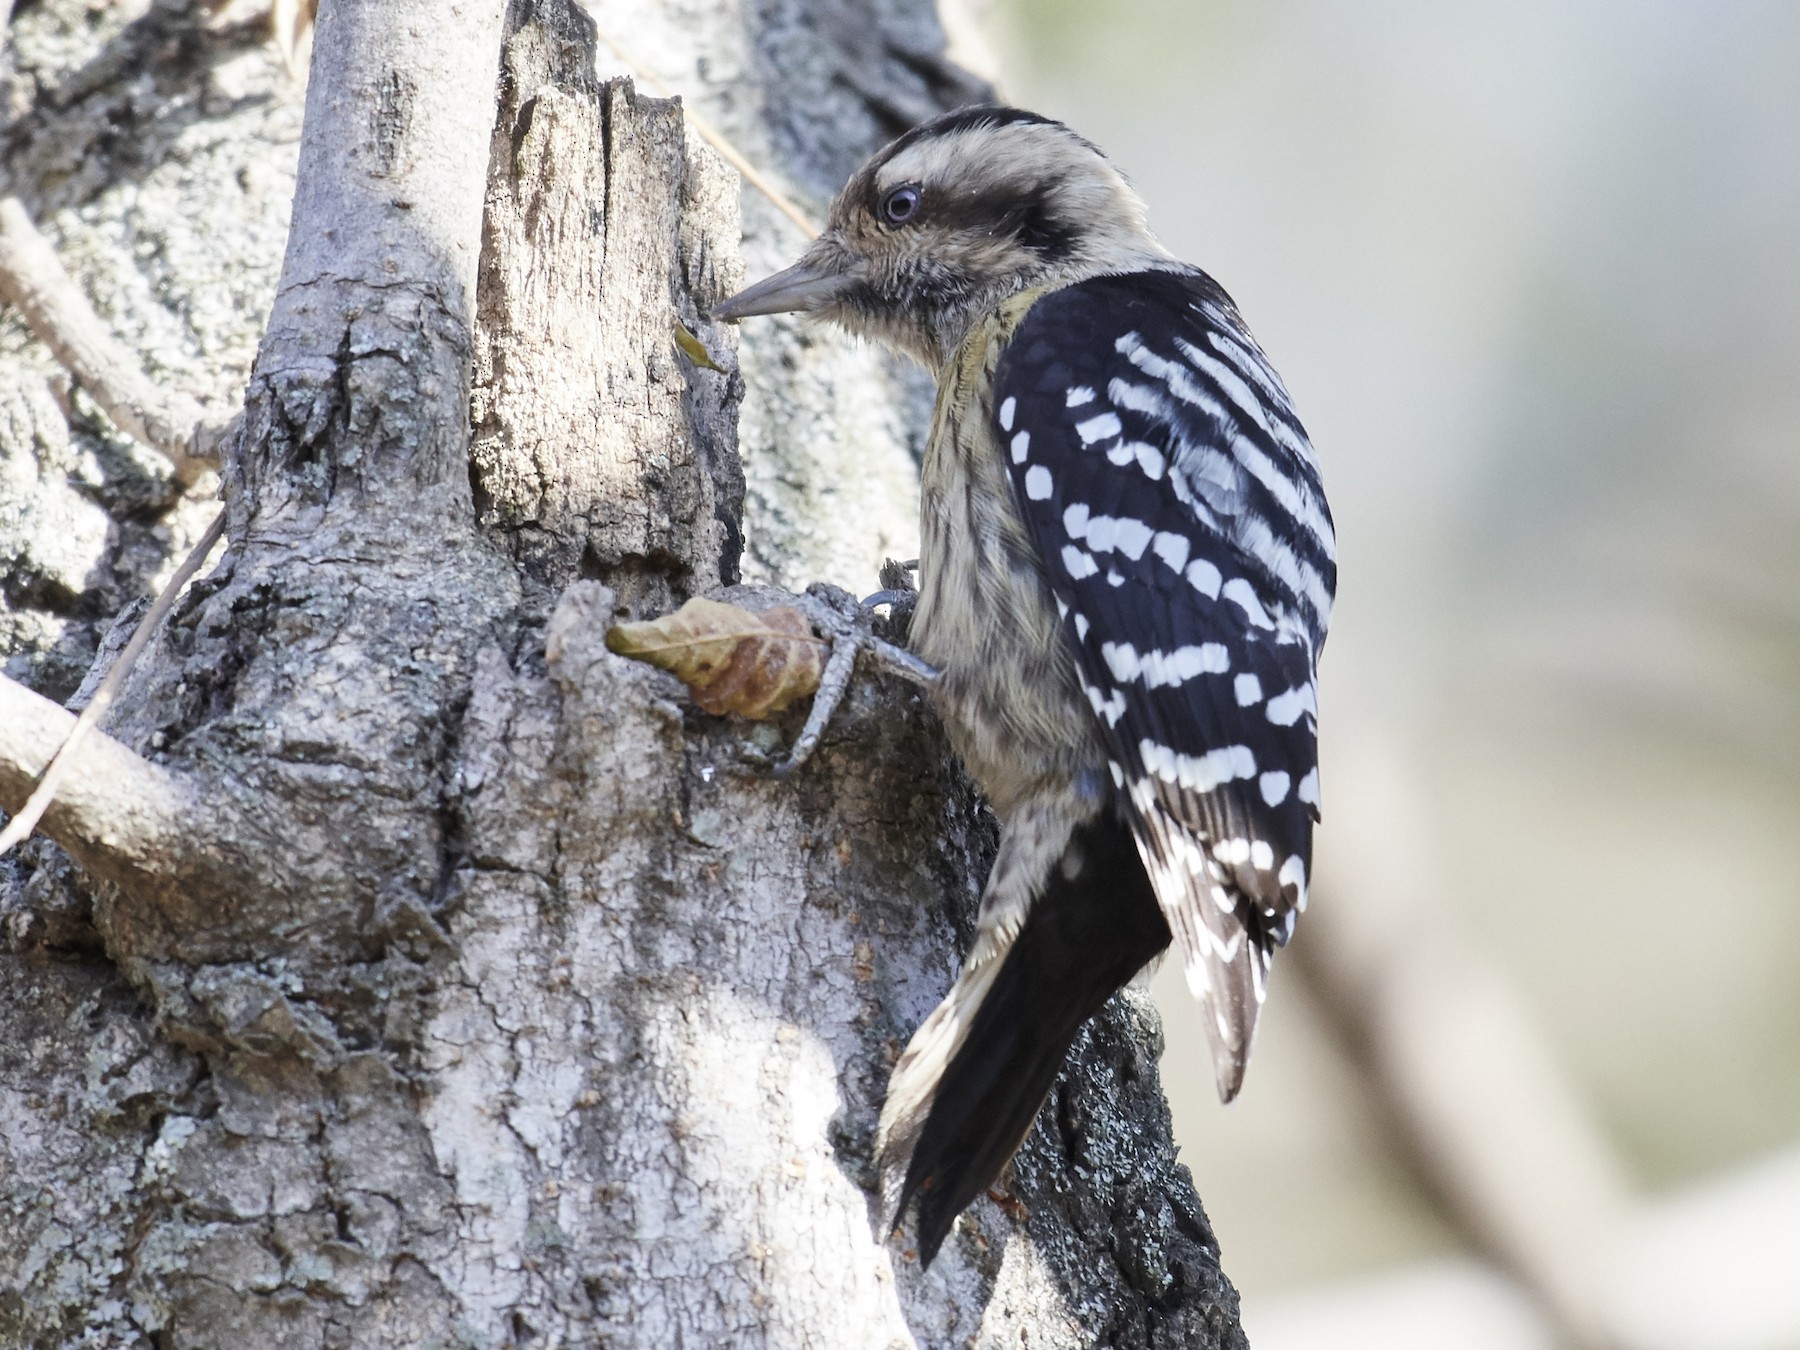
(849, 624)
(898, 595)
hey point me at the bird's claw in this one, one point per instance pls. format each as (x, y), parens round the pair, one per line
(836, 614)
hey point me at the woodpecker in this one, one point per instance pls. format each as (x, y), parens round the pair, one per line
(1126, 571)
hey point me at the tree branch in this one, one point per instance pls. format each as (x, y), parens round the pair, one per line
(116, 813)
(26, 820)
(53, 307)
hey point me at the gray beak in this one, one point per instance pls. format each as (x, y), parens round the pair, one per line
(804, 286)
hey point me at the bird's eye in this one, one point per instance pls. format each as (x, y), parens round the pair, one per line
(901, 205)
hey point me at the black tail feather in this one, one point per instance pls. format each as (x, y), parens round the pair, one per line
(1095, 926)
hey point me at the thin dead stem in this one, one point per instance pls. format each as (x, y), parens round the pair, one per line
(33, 280)
(21, 825)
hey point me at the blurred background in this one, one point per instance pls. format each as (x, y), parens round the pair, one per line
(1532, 273)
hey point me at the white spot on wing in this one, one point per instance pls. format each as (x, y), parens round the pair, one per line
(1284, 709)
(1099, 428)
(1291, 494)
(1245, 403)
(1075, 520)
(1308, 791)
(1274, 787)
(1171, 548)
(1198, 773)
(1007, 411)
(1078, 564)
(1078, 395)
(1204, 577)
(1111, 707)
(1241, 594)
(1157, 668)
(1130, 537)
(1293, 873)
(1232, 851)
(1133, 538)
(1248, 690)
(1122, 659)
(1021, 446)
(1255, 536)
(1037, 483)
(1247, 362)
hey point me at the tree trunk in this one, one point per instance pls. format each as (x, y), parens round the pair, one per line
(431, 975)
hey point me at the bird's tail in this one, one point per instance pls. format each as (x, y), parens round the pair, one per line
(965, 1092)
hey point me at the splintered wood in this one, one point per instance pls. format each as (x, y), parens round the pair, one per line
(603, 445)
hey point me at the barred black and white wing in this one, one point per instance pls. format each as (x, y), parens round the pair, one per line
(1177, 506)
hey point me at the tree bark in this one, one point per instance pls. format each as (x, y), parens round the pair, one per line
(431, 975)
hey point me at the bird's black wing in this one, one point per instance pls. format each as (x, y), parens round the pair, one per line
(1177, 505)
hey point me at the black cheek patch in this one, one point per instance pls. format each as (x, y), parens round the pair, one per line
(1026, 218)
(1044, 232)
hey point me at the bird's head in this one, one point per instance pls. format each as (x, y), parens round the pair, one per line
(951, 219)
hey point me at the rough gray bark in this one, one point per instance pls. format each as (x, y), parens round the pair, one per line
(468, 989)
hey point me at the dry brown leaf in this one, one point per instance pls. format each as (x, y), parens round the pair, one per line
(734, 660)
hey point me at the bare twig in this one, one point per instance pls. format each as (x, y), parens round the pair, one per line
(33, 280)
(21, 825)
(712, 136)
